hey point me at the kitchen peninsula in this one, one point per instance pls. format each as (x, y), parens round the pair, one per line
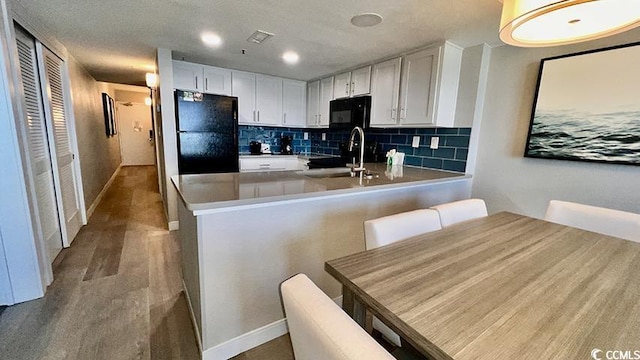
(244, 233)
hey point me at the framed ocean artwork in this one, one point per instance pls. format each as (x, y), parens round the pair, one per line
(587, 107)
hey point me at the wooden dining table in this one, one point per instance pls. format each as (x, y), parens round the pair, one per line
(505, 286)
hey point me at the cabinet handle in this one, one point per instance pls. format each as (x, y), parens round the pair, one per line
(206, 83)
(258, 115)
(254, 116)
(403, 114)
(319, 118)
(196, 83)
(284, 119)
(346, 88)
(393, 115)
(353, 87)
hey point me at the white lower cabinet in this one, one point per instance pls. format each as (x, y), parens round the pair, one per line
(270, 163)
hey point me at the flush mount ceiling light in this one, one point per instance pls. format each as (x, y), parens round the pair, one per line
(259, 36)
(290, 57)
(536, 23)
(211, 39)
(366, 20)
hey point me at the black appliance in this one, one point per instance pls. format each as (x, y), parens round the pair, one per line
(285, 145)
(255, 148)
(348, 113)
(207, 128)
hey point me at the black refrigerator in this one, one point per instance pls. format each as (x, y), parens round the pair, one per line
(207, 128)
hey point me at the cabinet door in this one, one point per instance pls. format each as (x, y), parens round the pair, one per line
(342, 85)
(361, 81)
(326, 95)
(243, 85)
(385, 90)
(187, 76)
(217, 81)
(419, 83)
(294, 103)
(313, 95)
(268, 100)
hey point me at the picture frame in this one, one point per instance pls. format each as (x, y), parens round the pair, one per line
(109, 115)
(587, 107)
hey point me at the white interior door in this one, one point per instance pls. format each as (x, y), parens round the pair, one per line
(53, 82)
(136, 136)
(38, 147)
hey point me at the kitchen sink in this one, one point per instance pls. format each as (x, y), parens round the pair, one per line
(326, 173)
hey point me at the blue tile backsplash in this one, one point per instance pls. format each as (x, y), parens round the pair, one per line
(451, 153)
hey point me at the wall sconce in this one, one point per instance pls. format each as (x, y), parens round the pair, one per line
(147, 101)
(152, 80)
(536, 23)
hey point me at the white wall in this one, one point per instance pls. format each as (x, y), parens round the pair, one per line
(169, 141)
(99, 155)
(508, 181)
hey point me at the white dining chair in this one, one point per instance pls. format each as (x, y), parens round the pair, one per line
(389, 229)
(319, 329)
(622, 224)
(458, 211)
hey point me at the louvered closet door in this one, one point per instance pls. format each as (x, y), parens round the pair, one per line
(65, 178)
(38, 146)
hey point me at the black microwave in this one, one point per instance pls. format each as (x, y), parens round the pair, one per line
(351, 112)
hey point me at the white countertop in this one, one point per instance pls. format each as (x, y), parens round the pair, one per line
(208, 193)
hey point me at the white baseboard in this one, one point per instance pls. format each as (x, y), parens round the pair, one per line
(246, 341)
(174, 225)
(194, 323)
(106, 186)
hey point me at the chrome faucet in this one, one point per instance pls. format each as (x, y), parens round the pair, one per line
(359, 131)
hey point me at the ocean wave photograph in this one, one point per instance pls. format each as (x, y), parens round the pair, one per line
(610, 137)
(587, 107)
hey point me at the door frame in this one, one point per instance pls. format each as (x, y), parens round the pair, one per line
(121, 103)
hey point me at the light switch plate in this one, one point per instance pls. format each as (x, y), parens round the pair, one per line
(434, 142)
(306, 136)
(416, 141)
(324, 136)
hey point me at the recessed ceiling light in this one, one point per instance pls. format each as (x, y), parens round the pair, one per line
(290, 57)
(366, 20)
(211, 39)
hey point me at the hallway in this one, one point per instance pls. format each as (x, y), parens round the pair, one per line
(117, 292)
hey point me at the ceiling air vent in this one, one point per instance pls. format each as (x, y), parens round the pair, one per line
(259, 36)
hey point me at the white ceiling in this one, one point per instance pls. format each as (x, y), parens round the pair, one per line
(115, 40)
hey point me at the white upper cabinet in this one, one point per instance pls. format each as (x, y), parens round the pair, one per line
(313, 98)
(385, 90)
(217, 81)
(268, 100)
(326, 95)
(293, 103)
(361, 81)
(206, 79)
(319, 95)
(243, 86)
(353, 83)
(187, 76)
(429, 90)
(259, 98)
(342, 85)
